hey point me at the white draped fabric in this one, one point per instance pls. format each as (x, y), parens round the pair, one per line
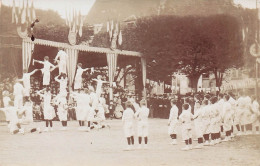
(112, 64)
(27, 48)
(71, 64)
(143, 63)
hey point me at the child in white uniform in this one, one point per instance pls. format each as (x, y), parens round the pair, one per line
(198, 113)
(27, 115)
(83, 107)
(14, 125)
(61, 101)
(242, 111)
(173, 122)
(215, 120)
(18, 94)
(6, 100)
(256, 114)
(62, 56)
(185, 119)
(63, 81)
(99, 117)
(48, 110)
(27, 81)
(233, 103)
(78, 77)
(142, 125)
(99, 85)
(227, 116)
(46, 70)
(128, 120)
(248, 116)
(206, 121)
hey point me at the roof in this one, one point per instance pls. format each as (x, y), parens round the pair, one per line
(82, 47)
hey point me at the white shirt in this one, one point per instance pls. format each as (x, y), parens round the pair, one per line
(242, 102)
(61, 102)
(47, 66)
(26, 80)
(220, 106)
(79, 72)
(128, 115)
(99, 84)
(226, 109)
(185, 118)
(255, 107)
(142, 114)
(173, 114)
(18, 89)
(63, 83)
(62, 55)
(6, 101)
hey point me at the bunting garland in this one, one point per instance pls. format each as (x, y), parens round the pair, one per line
(25, 14)
(74, 20)
(115, 33)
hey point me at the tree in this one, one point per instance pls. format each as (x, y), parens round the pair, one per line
(171, 44)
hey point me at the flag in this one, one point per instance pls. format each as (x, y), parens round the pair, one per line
(66, 19)
(108, 26)
(33, 13)
(23, 16)
(81, 25)
(243, 34)
(112, 26)
(20, 9)
(110, 35)
(13, 11)
(73, 21)
(117, 28)
(28, 12)
(120, 39)
(69, 19)
(77, 19)
(112, 63)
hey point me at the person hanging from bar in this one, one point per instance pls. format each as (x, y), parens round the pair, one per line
(46, 70)
(27, 81)
(62, 62)
(78, 77)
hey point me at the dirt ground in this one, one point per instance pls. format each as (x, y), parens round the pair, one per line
(105, 147)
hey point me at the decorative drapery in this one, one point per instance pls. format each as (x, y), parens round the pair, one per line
(71, 64)
(112, 64)
(28, 48)
(143, 62)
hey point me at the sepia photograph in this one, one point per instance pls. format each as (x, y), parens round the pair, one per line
(129, 82)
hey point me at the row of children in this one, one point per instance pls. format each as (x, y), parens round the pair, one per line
(214, 116)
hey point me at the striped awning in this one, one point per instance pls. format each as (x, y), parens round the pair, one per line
(83, 47)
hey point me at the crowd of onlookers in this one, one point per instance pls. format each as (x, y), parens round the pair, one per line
(159, 104)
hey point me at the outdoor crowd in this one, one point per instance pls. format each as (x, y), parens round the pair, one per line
(49, 99)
